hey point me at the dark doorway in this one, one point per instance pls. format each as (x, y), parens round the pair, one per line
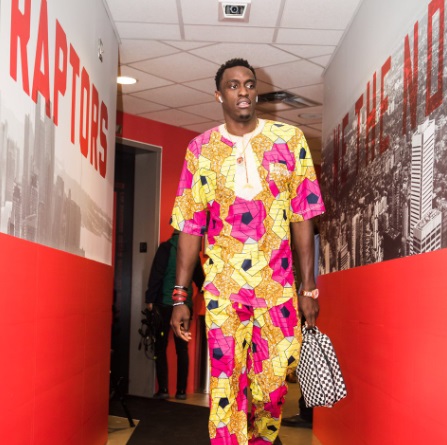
(137, 196)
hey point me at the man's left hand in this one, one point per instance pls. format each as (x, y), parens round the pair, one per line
(310, 309)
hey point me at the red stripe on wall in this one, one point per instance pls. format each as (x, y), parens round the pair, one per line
(387, 324)
(56, 323)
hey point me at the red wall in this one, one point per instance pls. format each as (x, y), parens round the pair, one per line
(173, 141)
(388, 325)
(55, 345)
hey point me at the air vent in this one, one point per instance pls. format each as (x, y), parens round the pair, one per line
(287, 98)
(234, 11)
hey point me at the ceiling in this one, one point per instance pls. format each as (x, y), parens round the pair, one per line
(174, 48)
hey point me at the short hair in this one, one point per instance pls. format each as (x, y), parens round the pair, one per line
(231, 64)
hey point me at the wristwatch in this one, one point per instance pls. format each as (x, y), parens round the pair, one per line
(311, 293)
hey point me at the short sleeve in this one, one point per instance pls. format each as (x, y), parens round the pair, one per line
(189, 214)
(305, 196)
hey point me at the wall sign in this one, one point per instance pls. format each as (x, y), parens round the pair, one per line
(385, 164)
(57, 108)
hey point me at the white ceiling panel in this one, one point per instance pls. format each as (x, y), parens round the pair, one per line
(257, 54)
(321, 60)
(309, 36)
(272, 107)
(229, 34)
(210, 110)
(147, 31)
(175, 96)
(177, 118)
(292, 75)
(144, 11)
(306, 51)
(264, 87)
(319, 14)
(312, 92)
(188, 46)
(180, 67)
(136, 50)
(205, 85)
(138, 106)
(144, 80)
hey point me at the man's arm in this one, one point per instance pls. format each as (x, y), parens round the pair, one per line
(303, 241)
(188, 249)
(158, 269)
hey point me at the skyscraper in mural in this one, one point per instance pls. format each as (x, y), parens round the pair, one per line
(425, 222)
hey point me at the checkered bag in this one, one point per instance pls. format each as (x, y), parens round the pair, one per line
(318, 370)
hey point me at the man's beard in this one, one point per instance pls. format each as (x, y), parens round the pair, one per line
(246, 117)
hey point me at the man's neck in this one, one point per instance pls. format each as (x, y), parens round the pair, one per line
(241, 128)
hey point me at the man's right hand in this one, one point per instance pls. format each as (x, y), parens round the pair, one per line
(149, 306)
(180, 320)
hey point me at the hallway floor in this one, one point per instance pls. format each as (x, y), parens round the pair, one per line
(120, 433)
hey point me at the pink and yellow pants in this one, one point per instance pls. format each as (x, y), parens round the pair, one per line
(250, 348)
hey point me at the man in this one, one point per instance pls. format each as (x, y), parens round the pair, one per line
(256, 182)
(159, 298)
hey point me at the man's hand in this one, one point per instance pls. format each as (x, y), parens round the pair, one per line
(149, 306)
(310, 309)
(180, 320)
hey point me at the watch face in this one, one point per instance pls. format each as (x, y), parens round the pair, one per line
(311, 293)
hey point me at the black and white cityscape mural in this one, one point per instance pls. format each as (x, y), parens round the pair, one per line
(384, 171)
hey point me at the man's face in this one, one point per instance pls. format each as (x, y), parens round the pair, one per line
(238, 93)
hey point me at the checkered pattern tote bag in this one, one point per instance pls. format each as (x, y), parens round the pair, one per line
(318, 370)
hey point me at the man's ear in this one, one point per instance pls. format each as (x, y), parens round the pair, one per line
(218, 97)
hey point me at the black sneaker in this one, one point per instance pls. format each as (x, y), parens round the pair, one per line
(180, 395)
(161, 395)
(296, 422)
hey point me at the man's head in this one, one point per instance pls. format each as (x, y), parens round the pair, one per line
(236, 91)
(231, 64)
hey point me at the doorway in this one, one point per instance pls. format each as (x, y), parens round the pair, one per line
(137, 216)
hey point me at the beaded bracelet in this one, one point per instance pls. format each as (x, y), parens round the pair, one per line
(178, 299)
(177, 286)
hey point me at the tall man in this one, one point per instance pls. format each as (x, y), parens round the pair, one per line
(251, 184)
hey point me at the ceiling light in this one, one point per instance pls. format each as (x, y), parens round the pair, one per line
(236, 11)
(287, 98)
(126, 80)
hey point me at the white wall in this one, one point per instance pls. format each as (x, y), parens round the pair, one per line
(146, 229)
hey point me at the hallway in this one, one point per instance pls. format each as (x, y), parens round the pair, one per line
(121, 434)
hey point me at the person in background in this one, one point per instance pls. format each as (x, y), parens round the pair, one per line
(256, 182)
(159, 298)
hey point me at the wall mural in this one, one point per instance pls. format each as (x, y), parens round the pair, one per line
(384, 172)
(56, 150)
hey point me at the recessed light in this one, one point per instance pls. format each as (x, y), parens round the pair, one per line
(126, 80)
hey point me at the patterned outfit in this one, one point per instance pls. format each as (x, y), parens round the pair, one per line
(250, 297)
